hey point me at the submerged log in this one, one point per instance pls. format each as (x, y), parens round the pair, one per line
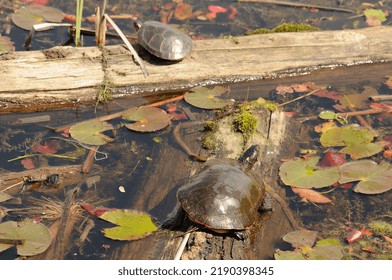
(65, 75)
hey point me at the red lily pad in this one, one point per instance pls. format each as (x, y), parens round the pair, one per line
(146, 119)
(28, 16)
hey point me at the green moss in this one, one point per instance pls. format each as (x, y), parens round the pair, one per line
(381, 228)
(209, 141)
(104, 92)
(211, 125)
(244, 122)
(284, 27)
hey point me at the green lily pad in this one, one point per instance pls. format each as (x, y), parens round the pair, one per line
(363, 150)
(132, 225)
(356, 139)
(300, 238)
(89, 132)
(346, 136)
(379, 14)
(374, 178)
(289, 255)
(35, 236)
(28, 16)
(205, 98)
(6, 45)
(304, 173)
(303, 241)
(146, 119)
(4, 196)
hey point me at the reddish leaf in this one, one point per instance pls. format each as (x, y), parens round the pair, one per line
(176, 113)
(334, 95)
(48, 148)
(368, 249)
(28, 163)
(309, 195)
(387, 154)
(217, 9)
(36, 2)
(94, 211)
(347, 186)
(385, 107)
(354, 236)
(233, 13)
(332, 158)
(366, 231)
(183, 11)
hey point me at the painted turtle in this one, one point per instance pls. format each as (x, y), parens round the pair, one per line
(224, 195)
(163, 41)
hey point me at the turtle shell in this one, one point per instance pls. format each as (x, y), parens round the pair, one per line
(164, 41)
(222, 196)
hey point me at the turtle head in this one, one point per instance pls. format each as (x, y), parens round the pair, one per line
(249, 157)
(137, 24)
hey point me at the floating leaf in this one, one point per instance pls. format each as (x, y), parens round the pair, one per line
(89, 132)
(206, 98)
(304, 173)
(325, 249)
(289, 255)
(26, 17)
(146, 119)
(6, 45)
(300, 238)
(35, 236)
(357, 139)
(132, 225)
(374, 178)
(374, 17)
(4, 196)
(363, 150)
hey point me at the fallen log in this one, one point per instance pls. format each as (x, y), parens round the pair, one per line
(62, 76)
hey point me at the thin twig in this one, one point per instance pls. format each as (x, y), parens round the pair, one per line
(132, 50)
(89, 160)
(380, 98)
(300, 97)
(344, 115)
(299, 5)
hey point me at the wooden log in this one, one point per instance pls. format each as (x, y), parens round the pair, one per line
(65, 75)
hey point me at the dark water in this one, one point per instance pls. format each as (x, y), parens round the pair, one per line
(126, 161)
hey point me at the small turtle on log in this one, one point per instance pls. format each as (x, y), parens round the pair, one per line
(163, 41)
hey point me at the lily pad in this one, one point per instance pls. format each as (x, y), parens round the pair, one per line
(28, 16)
(35, 237)
(6, 45)
(300, 238)
(304, 173)
(205, 98)
(89, 132)
(374, 178)
(132, 225)
(303, 241)
(356, 139)
(4, 196)
(146, 119)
